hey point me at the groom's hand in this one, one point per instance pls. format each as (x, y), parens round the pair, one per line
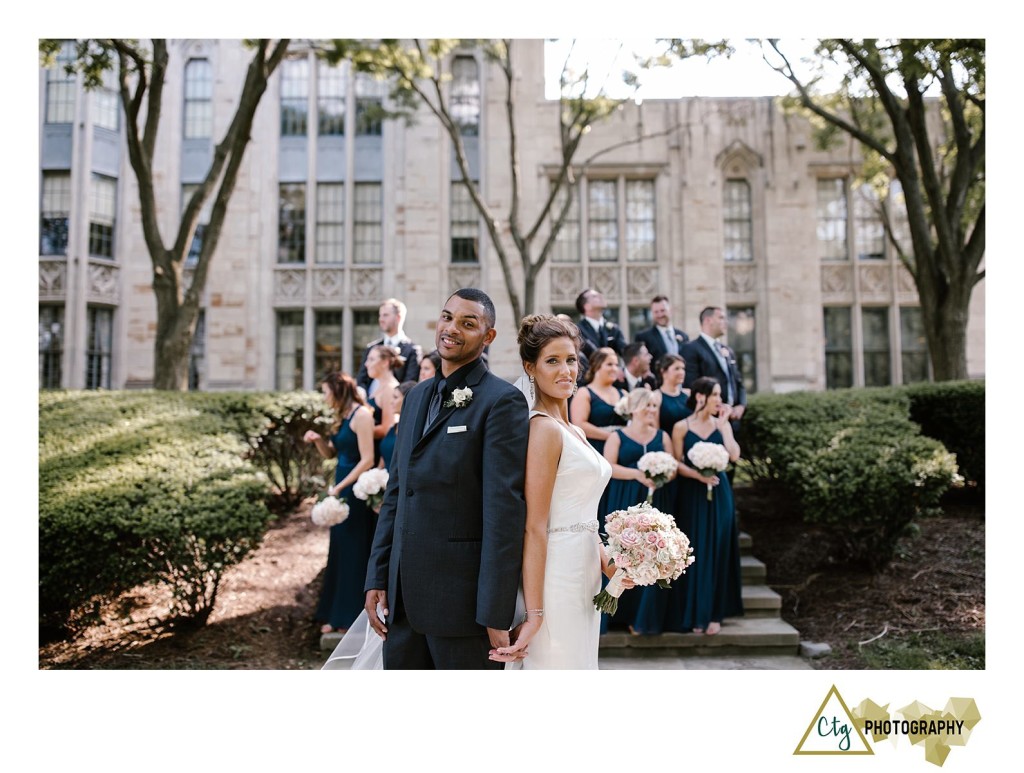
(373, 598)
(498, 637)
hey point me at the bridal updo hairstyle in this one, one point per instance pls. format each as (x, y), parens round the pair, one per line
(702, 386)
(537, 330)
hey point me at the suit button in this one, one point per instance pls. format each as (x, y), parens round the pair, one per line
(409, 493)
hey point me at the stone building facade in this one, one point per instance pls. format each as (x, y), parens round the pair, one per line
(725, 202)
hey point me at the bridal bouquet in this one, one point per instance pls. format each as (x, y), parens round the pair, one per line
(329, 511)
(370, 487)
(659, 467)
(709, 459)
(645, 545)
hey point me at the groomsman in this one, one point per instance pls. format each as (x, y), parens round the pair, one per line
(595, 329)
(637, 370)
(706, 356)
(391, 319)
(661, 338)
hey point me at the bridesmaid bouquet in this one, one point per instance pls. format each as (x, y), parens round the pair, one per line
(659, 467)
(709, 459)
(329, 511)
(370, 487)
(646, 546)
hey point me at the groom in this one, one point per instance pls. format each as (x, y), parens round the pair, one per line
(448, 548)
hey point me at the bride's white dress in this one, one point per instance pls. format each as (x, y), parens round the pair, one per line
(572, 574)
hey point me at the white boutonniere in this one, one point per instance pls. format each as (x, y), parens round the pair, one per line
(460, 398)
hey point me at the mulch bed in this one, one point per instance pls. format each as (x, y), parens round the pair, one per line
(263, 617)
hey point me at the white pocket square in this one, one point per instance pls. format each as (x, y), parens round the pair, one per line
(452, 430)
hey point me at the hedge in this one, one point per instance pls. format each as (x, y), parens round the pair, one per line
(150, 487)
(851, 460)
(954, 413)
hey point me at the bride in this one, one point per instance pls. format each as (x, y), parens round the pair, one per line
(563, 557)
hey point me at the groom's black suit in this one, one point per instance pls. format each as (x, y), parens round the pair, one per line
(448, 546)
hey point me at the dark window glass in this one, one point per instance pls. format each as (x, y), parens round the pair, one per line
(838, 347)
(51, 346)
(465, 226)
(55, 210)
(875, 324)
(98, 347)
(913, 345)
(102, 210)
(289, 350)
(291, 239)
(294, 97)
(328, 343)
(743, 341)
(738, 224)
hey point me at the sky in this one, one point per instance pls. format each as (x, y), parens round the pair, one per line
(742, 74)
(611, 720)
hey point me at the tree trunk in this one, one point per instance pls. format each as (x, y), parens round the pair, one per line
(947, 339)
(174, 328)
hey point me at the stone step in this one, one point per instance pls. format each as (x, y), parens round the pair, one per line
(752, 570)
(748, 637)
(746, 543)
(761, 601)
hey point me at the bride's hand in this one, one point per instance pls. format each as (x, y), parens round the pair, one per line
(518, 649)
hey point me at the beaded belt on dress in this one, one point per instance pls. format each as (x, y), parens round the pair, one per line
(582, 526)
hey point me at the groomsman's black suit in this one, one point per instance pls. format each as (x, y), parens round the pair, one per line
(648, 381)
(609, 335)
(448, 547)
(410, 371)
(701, 361)
(651, 337)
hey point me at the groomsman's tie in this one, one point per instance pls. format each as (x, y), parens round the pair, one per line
(671, 347)
(435, 404)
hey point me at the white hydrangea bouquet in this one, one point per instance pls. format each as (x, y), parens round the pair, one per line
(645, 545)
(370, 487)
(709, 459)
(329, 511)
(659, 466)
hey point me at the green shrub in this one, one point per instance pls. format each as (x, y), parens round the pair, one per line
(143, 487)
(953, 412)
(294, 467)
(853, 462)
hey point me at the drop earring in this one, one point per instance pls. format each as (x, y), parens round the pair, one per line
(533, 396)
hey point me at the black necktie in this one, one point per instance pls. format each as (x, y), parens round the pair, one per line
(435, 404)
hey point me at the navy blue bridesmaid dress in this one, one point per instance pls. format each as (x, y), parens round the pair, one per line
(342, 597)
(623, 494)
(673, 409)
(387, 445)
(712, 583)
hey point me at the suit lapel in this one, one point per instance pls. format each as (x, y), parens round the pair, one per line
(473, 378)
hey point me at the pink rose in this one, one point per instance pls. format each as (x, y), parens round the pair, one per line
(662, 543)
(630, 537)
(652, 537)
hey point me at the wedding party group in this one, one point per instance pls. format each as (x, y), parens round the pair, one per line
(477, 523)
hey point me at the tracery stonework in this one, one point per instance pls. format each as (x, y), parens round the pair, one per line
(328, 284)
(642, 282)
(463, 276)
(366, 284)
(566, 282)
(53, 275)
(836, 280)
(874, 280)
(740, 279)
(290, 284)
(103, 284)
(605, 279)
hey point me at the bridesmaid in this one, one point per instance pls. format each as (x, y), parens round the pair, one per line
(381, 363)
(672, 371)
(593, 407)
(430, 365)
(713, 582)
(351, 441)
(387, 443)
(629, 486)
